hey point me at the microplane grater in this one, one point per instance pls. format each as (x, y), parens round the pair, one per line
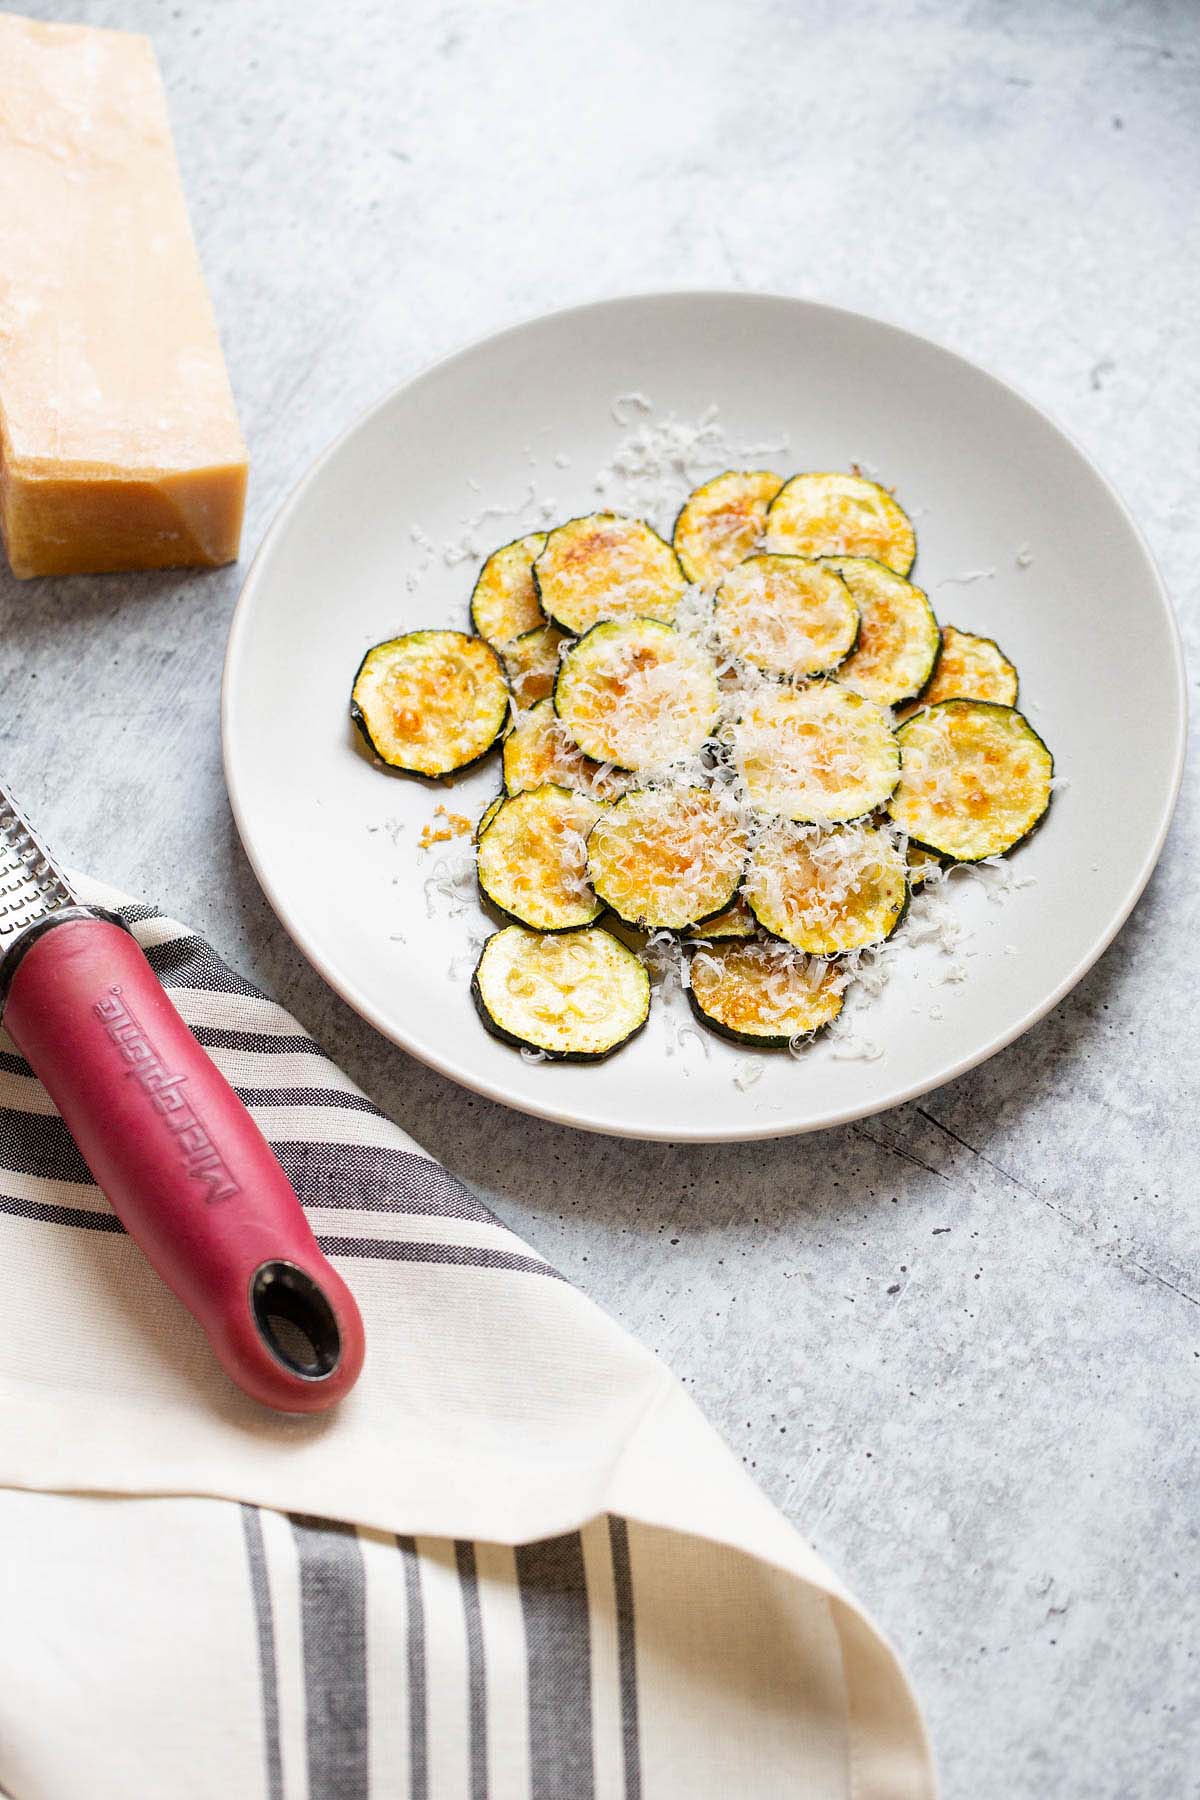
(32, 886)
(188, 1172)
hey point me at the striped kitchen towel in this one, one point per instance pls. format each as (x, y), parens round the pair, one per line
(514, 1564)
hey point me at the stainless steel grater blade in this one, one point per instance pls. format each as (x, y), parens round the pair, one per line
(32, 886)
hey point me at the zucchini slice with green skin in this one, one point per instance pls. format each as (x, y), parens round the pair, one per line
(532, 859)
(430, 702)
(537, 750)
(899, 640)
(819, 755)
(723, 522)
(787, 615)
(605, 566)
(637, 694)
(826, 892)
(834, 514)
(666, 858)
(504, 604)
(970, 668)
(531, 663)
(762, 994)
(488, 814)
(737, 921)
(974, 779)
(576, 995)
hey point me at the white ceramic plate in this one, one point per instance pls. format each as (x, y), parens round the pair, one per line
(1067, 588)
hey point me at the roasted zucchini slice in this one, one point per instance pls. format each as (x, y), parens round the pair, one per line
(819, 754)
(430, 702)
(970, 668)
(533, 859)
(826, 892)
(763, 994)
(576, 995)
(722, 522)
(974, 779)
(504, 604)
(666, 858)
(537, 749)
(531, 663)
(834, 514)
(737, 921)
(786, 615)
(488, 814)
(898, 643)
(638, 694)
(605, 566)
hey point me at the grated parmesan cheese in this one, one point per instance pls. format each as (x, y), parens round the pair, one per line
(454, 825)
(452, 882)
(971, 576)
(657, 459)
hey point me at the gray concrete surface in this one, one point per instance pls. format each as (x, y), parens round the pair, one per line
(958, 1344)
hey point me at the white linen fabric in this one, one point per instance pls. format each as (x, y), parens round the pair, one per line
(515, 1562)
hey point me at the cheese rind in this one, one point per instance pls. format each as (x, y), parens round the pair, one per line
(119, 439)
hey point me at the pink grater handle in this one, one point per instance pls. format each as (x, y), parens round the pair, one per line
(187, 1170)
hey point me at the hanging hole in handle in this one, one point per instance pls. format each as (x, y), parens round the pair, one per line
(295, 1320)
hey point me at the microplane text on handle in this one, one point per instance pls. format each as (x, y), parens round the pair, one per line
(186, 1169)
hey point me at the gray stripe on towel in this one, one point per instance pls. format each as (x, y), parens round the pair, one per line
(559, 1653)
(264, 1625)
(418, 1714)
(618, 1537)
(333, 1627)
(464, 1554)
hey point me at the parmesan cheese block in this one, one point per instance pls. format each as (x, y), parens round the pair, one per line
(119, 440)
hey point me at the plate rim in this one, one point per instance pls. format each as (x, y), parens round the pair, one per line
(749, 1131)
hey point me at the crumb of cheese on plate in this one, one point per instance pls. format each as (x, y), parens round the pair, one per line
(456, 825)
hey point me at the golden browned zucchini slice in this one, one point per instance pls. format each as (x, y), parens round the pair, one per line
(537, 749)
(970, 668)
(531, 663)
(974, 779)
(430, 702)
(826, 892)
(898, 643)
(834, 514)
(819, 754)
(533, 859)
(504, 604)
(786, 615)
(605, 566)
(762, 994)
(637, 693)
(575, 996)
(737, 921)
(723, 521)
(667, 857)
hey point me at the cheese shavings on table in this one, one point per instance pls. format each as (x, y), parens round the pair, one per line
(119, 439)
